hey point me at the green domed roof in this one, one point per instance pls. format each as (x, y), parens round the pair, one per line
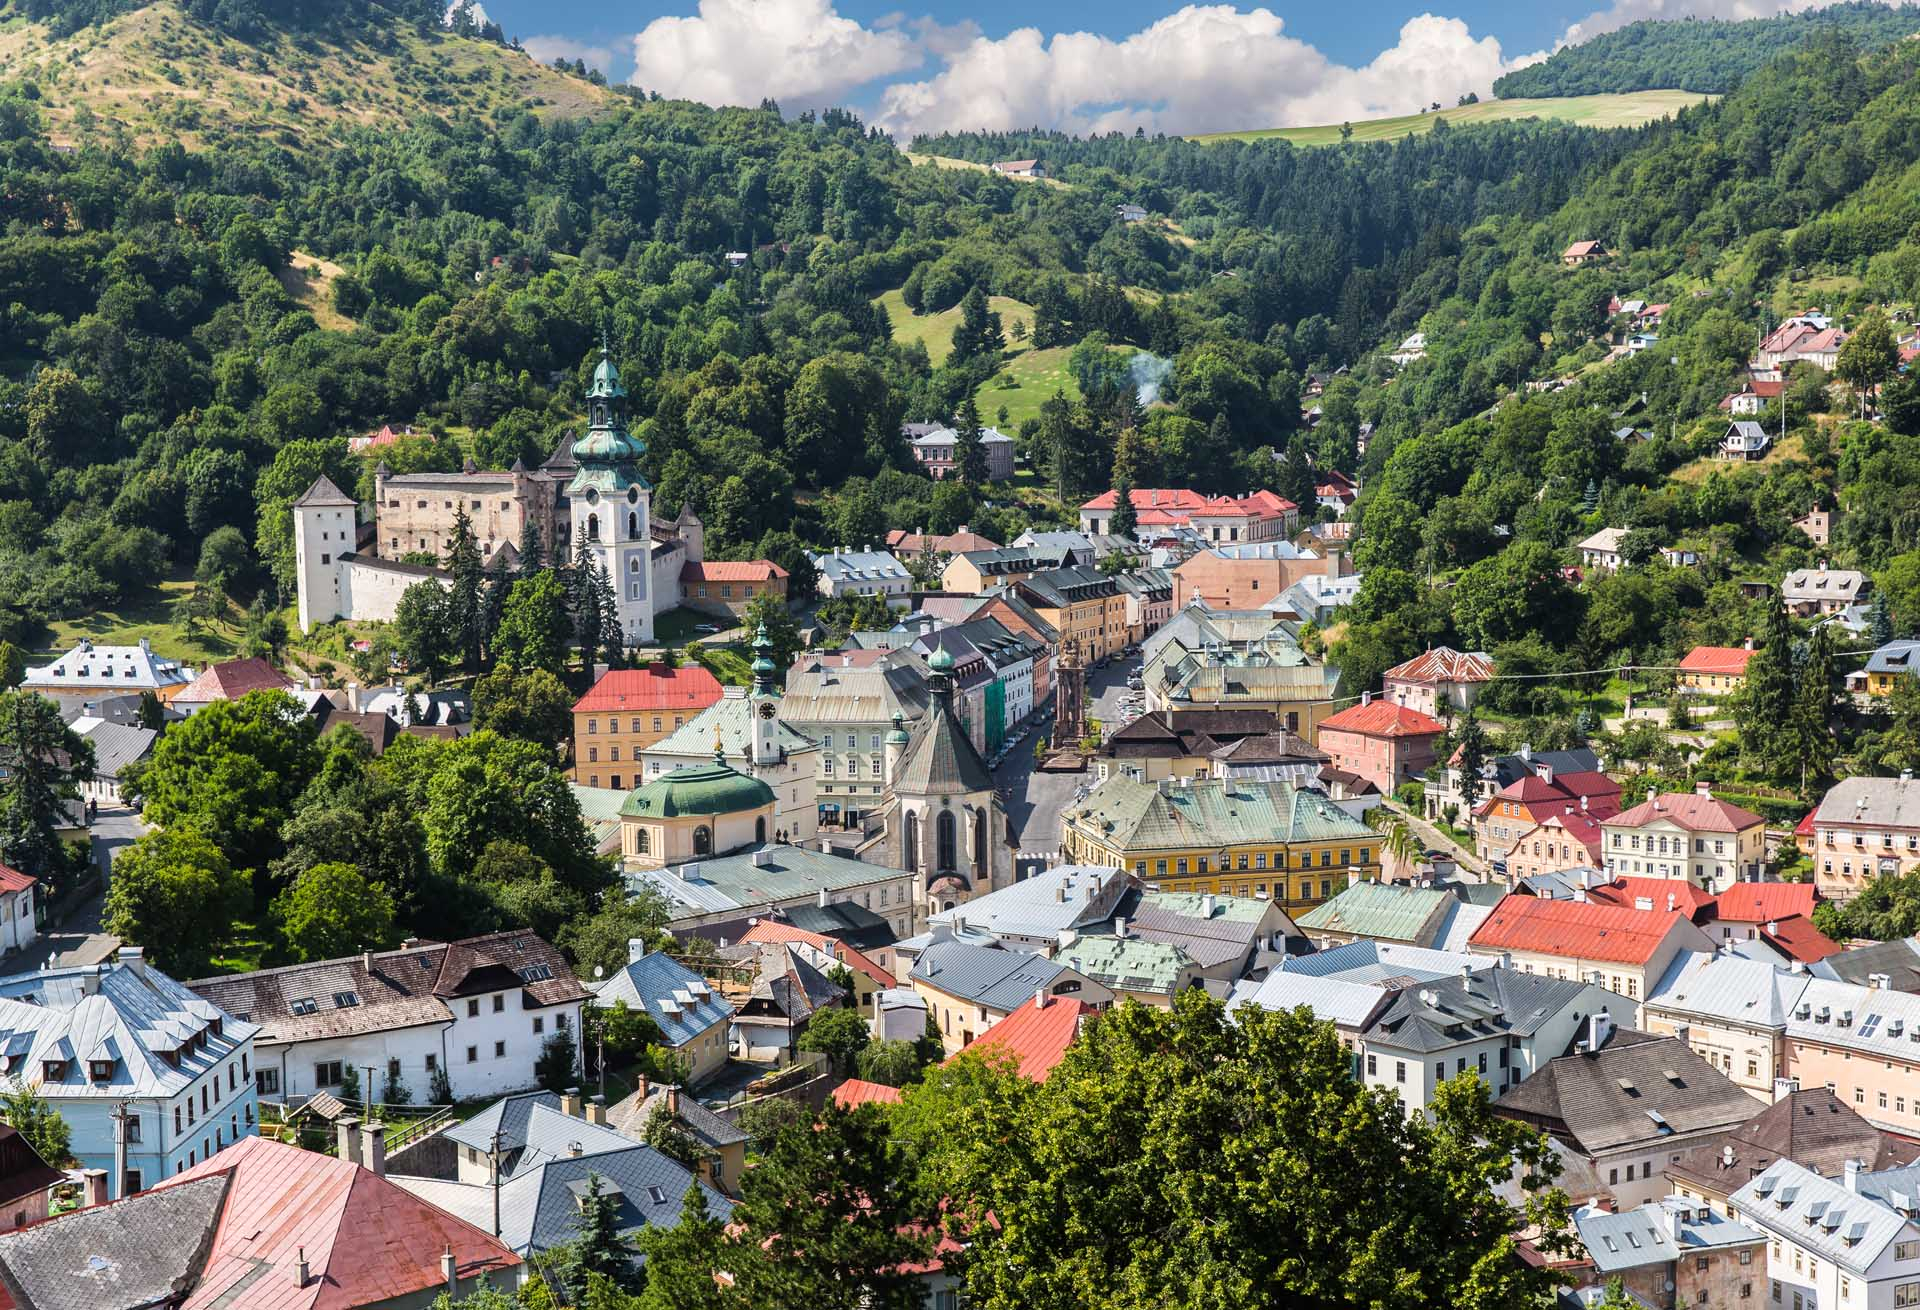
(606, 378)
(697, 789)
(942, 661)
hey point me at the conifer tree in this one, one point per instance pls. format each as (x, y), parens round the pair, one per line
(466, 603)
(600, 1247)
(969, 454)
(1766, 723)
(583, 604)
(681, 1260)
(1882, 619)
(613, 639)
(494, 602)
(1125, 457)
(532, 556)
(1813, 711)
(1052, 315)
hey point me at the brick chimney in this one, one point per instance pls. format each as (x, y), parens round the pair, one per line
(597, 1111)
(346, 1132)
(673, 1101)
(570, 1103)
(373, 1147)
(93, 1188)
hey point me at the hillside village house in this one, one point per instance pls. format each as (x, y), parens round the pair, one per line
(476, 1012)
(1583, 252)
(1845, 1241)
(18, 927)
(1624, 950)
(903, 544)
(1689, 835)
(1885, 667)
(1450, 789)
(630, 710)
(1384, 742)
(692, 1017)
(1246, 578)
(725, 587)
(1805, 593)
(1440, 677)
(1537, 795)
(937, 452)
(1752, 398)
(1808, 337)
(97, 1039)
(1600, 553)
(1020, 168)
(1863, 829)
(1715, 670)
(863, 572)
(1744, 439)
(1256, 516)
(1817, 524)
(92, 670)
(229, 680)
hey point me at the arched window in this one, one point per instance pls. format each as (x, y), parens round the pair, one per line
(911, 855)
(633, 527)
(633, 563)
(703, 840)
(760, 829)
(979, 844)
(947, 842)
(593, 527)
(642, 841)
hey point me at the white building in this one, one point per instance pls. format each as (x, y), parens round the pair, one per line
(476, 1012)
(1689, 836)
(1846, 1243)
(108, 671)
(18, 928)
(1600, 553)
(863, 572)
(790, 766)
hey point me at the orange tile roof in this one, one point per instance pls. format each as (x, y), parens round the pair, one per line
(1443, 664)
(1730, 660)
(767, 930)
(1570, 928)
(1038, 1038)
(731, 570)
(1383, 718)
(1798, 939)
(858, 1091)
(12, 880)
(1757, 902)
(232, 679)
(1689, 809)
(651, 687)
(1687, 898)
(367, 1240)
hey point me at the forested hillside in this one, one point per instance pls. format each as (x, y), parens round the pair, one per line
(1700, 54)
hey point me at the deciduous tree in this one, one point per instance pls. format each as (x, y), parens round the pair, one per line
(174, 892)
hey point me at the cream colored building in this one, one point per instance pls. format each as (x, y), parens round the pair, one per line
(1686, 835)
(694, 812)
(1732, 1011)
(1625, 950)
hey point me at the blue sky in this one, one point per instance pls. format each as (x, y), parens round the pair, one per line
(926, 65)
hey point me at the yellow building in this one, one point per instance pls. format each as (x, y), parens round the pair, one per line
(973, 572)
(1886, 666)
(696, 811)
(1085, 606)
(1229, 836)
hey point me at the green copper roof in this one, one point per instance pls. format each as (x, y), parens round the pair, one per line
(606, 378)
(698, 789)
(942, 661)
(610, 480)
(607, 441)
(1212, 812)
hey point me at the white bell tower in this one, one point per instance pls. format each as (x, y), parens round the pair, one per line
(611, 503)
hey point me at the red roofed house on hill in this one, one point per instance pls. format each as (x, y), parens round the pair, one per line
(1037, 1034)
(1715, 670)
(724, 586)
(1529, 800)
(1629, 948)
(1383, 742)
(1257, 516)
(629, 710)
(1582, 252)
(258, 1226)
(1689, 835)
(1441, 675)
(858, 1091)
(230, 680)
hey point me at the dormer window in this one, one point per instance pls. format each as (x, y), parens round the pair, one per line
(53, 1071)
(305, 1005)
(100, 1071)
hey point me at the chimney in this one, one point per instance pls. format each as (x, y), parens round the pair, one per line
(1747, 644)
(570, 1103)
(302, 1271)
(448, 1271)
(94, 1187)
(673, 1100)
(1060, 894)
(1598, 1028)
(597, 1111)
(575, 1150)
(1851, 1175)
(1206, 904)
(1580, 895)
(1040, 998)
(1670, 901)
(1773, 927)
(1683, 1034)
(366, 961)
(135, 958)
(1703, 789)
(1784, 1087)
(641, 1091)
(1583, 805)
(1353, 877)
(347, 1133)
(373, 1147)
(1120, 926)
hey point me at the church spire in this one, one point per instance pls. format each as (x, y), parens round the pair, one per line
(763, 666)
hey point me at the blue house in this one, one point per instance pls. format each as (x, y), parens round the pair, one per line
(122, 1044)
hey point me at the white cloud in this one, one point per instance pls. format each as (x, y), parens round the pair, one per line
(546, 49)
(738, 52)
(1622, 12)
(1202, 68)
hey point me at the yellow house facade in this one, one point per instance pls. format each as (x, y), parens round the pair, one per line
(1087, 608)
(1228, 836)
(698, 810)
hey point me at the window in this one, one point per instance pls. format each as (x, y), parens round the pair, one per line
(134, 1133)
(433, 1062)
(1904, 1294)
(499, 1050)
(473, 1055)
(539, 1025)
(266, 1083)
(326, 1074)
(1906, 1250)
(1400, 1071)
(176, 1120)
(500, 1003)
(473, 1009)
(133, 1182)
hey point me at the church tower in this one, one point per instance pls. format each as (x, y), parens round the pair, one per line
(612, 504)
(764, 701)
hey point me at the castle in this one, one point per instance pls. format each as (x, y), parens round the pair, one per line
(589, 491)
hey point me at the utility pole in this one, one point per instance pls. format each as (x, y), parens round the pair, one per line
(493, 1157)
(119, 1117)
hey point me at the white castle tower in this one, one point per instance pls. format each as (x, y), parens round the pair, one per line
(324, 523)
(612, 504)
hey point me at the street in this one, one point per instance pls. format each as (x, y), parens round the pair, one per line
(1035, 799)
(81, 940)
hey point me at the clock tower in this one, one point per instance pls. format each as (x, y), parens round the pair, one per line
(765, 700)
(611, 504)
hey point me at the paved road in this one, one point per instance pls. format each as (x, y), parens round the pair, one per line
(81, 939)
(1472, 867)
(1035, 799)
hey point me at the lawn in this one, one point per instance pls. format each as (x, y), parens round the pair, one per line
(148, 614)
(1028, 380)
(247, 948)
(936, 330)
(947, 161)
(1627, 110)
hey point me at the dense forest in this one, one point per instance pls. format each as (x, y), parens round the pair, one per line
(1700, 54)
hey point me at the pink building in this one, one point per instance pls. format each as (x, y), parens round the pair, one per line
(1441, 676)
(1385, 743)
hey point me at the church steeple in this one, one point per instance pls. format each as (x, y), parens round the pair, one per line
(607, 440)
(763, 666)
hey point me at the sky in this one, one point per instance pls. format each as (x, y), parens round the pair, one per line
(1081, 65)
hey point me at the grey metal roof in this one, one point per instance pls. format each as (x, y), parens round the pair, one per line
(1729, 988)
(1068, 896)
(1656, 1234)
(1345, 1004)
(1875, 802)
(1848, 1228)
(940, 758)
(116, 745)
(1371, 961)
(1894, 657)
(1898, 959)
(739, 881)
(1493, 1002)
(1872, 1020)
(732, 717)
(145, 1251)
(998, 979)
(679, 1000)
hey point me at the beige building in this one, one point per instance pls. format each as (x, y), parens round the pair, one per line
(1865, 828)
(692, 813)
(1690, 836)
(1625, 950)
(629, 710)
(1085, 606)
(1731, 1011)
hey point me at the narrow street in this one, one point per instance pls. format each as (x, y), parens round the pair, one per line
(81, 939)
(1472, 867)
(1034, 800)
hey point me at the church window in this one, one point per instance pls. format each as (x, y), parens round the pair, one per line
(947, 838)
(979, 844)
(633, 591)
(642, 841)
(633, 563)
(703, 840)
(326, 559)
(633, 495)
(593, 527)
(912, 852)
(633, 526)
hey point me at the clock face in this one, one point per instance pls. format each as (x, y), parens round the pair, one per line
(766, 710)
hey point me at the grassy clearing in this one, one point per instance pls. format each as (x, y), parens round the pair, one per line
(309, 279)
(946, 161)
(1698, 471)
(1627, 110)
(935, 331)
(1028, 381)
(148, 614)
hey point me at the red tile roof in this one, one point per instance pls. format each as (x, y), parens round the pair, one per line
(1804, 828)
(858, 1091)
(1583, 828)
(766, 930)
(12, 880)
(1797, 939)
(1691, 810)
(1687, 898)
(1038, 1038)
(1730, 660)
(232, 679)
(367, 1241)
(1757, 902)
(1169, 505)
(1444, 664)
(651, 687)
(731, 570)
(1383, 718)
(1570, 928)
